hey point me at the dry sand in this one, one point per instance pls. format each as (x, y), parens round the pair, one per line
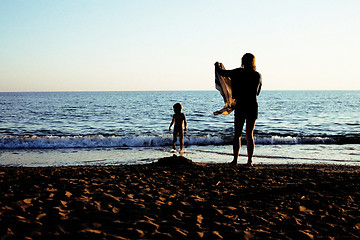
(177, 199)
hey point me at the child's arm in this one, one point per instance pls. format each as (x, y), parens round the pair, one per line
(185, 123)
(172, 122)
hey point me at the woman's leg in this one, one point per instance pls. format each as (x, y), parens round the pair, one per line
(238, 125)
(250, 125)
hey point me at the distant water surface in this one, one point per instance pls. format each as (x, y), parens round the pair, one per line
(113, 120)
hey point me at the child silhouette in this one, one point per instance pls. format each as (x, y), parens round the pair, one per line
(179, 119)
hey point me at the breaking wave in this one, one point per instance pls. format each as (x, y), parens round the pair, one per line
(94, 141)
(101, 141)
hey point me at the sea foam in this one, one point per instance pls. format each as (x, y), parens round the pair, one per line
(94, 141)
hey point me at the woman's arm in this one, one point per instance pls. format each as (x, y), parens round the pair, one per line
(259, 86)
(223, 72)
(185, 123)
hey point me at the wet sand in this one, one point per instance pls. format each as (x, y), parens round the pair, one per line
(177, 199)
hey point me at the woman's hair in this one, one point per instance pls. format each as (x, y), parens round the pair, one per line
(248, 61)
(177, 107)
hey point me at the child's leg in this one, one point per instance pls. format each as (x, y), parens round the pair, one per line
(181, 136)
(174, 139)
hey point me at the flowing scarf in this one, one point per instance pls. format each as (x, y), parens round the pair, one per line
(223, 85)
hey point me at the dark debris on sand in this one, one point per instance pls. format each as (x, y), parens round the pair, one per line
(174, 160)
(180, 200)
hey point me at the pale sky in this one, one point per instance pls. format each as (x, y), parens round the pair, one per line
(115, 45)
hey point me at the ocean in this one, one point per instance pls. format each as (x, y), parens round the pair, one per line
(112, 128)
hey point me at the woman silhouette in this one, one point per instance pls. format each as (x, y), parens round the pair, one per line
(246, 85)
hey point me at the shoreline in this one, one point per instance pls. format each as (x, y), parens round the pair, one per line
(264, 154)
(182, 200)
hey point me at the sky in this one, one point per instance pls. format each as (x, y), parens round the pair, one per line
(142, 45)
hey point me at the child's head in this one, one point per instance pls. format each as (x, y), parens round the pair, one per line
(177, 107)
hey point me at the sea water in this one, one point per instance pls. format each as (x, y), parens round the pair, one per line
(102, 128)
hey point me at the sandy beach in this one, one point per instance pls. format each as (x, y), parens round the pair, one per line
(178, 199)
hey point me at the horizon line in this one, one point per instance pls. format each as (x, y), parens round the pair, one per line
(169, 90)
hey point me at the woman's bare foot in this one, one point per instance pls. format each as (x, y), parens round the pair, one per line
(249, 164)
(233, 163)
